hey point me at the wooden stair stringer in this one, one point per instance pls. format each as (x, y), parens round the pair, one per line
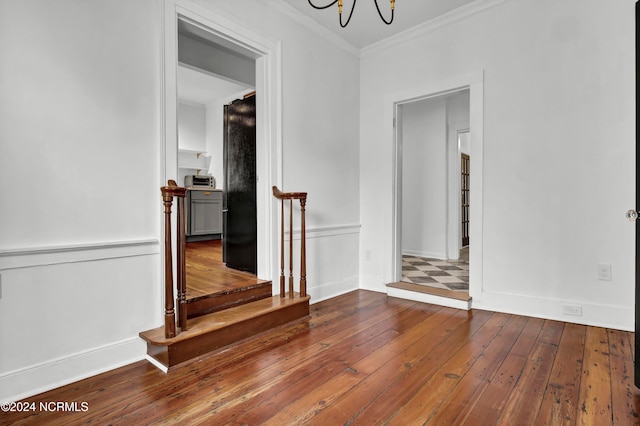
(216, 330)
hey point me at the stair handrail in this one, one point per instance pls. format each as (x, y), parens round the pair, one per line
(168, 193)
(302, 196)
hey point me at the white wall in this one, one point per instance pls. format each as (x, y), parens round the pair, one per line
(79, 156)
(81, 161)
(215, 140)
(424, 178)
(558, 151)
(192, 128)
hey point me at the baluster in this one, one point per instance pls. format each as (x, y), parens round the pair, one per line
(291, 247)
(181, 300)
(282, 249)
(303, 250)
(302, 196)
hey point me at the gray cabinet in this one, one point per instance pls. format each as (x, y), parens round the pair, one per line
(204, 214)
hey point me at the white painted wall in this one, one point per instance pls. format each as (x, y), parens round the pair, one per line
(79, 157)
(215, 140)
(81, 160)
(424, 178)
(192, 127)
(558, 151)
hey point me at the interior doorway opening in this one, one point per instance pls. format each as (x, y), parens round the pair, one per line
(241, 62)
(434, 190)
(216, 152)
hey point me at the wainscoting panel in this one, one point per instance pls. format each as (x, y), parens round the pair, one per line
(71, 312)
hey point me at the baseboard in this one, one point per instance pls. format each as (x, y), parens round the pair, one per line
(29, 381)
(616, 317)
(427, 254)
(330, 290)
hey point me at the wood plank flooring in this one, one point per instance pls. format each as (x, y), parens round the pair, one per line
(364, 358)
(206, 274)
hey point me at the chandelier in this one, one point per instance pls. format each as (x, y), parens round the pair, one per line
(391, 2)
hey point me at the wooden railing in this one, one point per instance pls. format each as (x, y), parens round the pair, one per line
(168, 193)
(302, 196)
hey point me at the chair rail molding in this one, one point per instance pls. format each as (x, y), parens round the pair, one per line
(53, 255)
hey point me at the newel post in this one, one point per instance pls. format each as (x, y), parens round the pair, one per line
(168, 192)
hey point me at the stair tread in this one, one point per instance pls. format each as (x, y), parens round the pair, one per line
(451, 294)
(218, 320)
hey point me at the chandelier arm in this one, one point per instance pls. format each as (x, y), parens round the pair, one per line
(323, 7)
(350, 15)
(380, 14)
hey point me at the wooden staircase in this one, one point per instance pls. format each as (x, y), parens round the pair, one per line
(213, 331)
(205, 324)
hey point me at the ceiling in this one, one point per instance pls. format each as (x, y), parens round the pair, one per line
(366, 27)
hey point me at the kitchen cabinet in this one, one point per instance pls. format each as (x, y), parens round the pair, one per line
(204, 216)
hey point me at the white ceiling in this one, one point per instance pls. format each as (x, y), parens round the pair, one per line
(366, 27)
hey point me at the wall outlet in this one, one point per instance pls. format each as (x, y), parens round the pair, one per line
(604, 272)
(575, 310)
(367, 255)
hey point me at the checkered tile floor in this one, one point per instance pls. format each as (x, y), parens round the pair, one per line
(445, 274)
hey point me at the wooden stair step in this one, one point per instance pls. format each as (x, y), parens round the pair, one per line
(213, 331)
(226, 299)
(427, 294)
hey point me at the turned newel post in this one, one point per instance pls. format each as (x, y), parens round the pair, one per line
(169, 312)
(168, 193)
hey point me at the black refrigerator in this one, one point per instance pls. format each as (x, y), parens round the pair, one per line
(240, 224)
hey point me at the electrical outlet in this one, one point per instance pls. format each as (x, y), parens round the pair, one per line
(604, 272)
(367, 255)
(575, 310)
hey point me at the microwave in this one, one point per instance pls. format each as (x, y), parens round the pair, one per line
(199, 181)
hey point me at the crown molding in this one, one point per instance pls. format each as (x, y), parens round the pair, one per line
(312, 25)
(420, 30)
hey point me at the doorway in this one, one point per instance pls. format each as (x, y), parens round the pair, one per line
(435, 191)
(208, 27)
(211, 118)
(394, 109)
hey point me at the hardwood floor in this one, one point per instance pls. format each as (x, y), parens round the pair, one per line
(206, 274)
(364, 358)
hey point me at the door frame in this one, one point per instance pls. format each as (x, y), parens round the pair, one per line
(267, 54)
(474, 82)
(636, 360)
